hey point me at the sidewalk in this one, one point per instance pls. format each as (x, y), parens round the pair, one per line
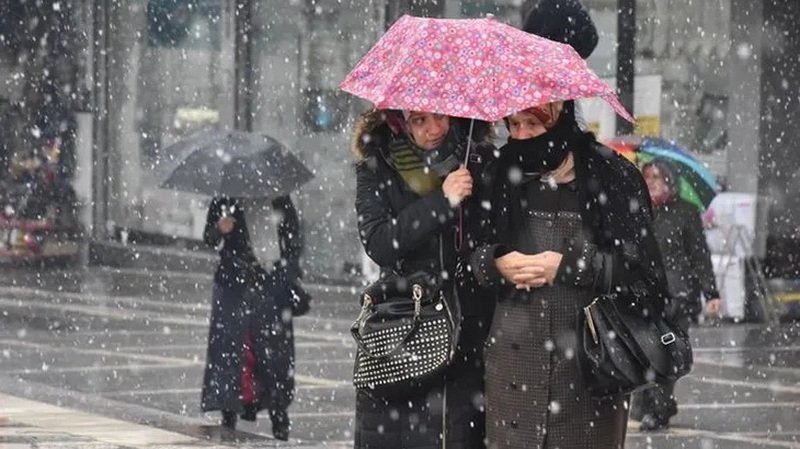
(32, 424)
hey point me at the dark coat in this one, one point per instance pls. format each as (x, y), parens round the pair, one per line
(564, 21)
(687, 260)
(400, 231)
(617, 235)
(616, 213)
(251, 300)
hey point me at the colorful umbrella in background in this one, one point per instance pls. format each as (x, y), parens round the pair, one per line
(697, 184)
(626, 146)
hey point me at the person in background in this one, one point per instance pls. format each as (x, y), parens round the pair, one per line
(687, 261)
(250, 359)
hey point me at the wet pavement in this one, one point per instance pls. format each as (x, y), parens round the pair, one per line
(114, 358)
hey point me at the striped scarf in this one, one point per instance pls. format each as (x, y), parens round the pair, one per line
(412, 168)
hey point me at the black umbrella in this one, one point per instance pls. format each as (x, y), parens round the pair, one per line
(235, 164)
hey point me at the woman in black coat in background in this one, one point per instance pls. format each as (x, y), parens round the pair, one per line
(250, 360)
(690, 275)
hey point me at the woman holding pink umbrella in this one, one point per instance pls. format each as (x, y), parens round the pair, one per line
(418, 211)
(570, 219)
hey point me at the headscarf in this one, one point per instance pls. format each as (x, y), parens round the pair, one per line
(547, 151)
(670, 176)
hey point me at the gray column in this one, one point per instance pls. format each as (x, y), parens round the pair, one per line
(744, 117)
(100, 172)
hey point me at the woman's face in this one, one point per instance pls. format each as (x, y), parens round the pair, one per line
(656, 184)
(427, 129)
(534, 122)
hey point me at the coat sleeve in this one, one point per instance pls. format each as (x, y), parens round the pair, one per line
(211, 234)
(633, 262)
(636, 263)
(699, 255)
(291, 237)
(388, 235)
(482, 259)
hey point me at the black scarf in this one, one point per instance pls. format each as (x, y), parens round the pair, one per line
(546, 152)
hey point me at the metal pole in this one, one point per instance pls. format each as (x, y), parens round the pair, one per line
(243, 66)
(102, 178)
(626, 52)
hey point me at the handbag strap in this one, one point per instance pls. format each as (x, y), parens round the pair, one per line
(354, 330)
(416, 296)
(608, 274)
(606, 277)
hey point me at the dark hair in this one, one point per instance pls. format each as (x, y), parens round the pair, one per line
(668, 172)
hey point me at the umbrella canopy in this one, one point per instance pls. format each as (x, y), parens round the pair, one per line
(697, 185)
(235, 164)
(471, 68)
(626, 146)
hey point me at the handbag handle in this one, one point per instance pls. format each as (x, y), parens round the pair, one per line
(416, 296)
(587, 310)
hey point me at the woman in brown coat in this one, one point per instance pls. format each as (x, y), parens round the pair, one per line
(564, 211)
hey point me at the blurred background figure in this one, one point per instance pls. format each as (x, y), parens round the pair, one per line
(679, 230)
(250, 359)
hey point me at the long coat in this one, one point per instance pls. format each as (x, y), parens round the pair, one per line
(615, 217)
(687, 260)
(400, 231)
(251, 300)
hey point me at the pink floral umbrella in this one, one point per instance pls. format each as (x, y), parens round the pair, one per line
(472, 68)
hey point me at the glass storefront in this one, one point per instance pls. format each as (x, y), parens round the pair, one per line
(171, 69)
(302, 51)
(170, 74)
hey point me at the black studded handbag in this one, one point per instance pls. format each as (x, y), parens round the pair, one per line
(406, 333)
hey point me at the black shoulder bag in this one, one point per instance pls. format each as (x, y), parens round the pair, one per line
(621, 350)
(406, 333)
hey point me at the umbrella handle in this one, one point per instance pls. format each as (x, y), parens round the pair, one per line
(469, 142)
(459, 236)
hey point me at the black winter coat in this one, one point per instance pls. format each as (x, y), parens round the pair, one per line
(616, 213)
(238, 263)
(251, 301)
(687, 260)
(401, 231)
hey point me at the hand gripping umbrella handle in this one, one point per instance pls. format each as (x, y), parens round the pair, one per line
(460, 227)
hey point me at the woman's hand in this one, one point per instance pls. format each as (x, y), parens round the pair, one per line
(529, 271)
(457, 186)
(226, 224)
(540, 270)
(714, 307)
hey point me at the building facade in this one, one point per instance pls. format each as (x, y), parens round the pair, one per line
(720, 77)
